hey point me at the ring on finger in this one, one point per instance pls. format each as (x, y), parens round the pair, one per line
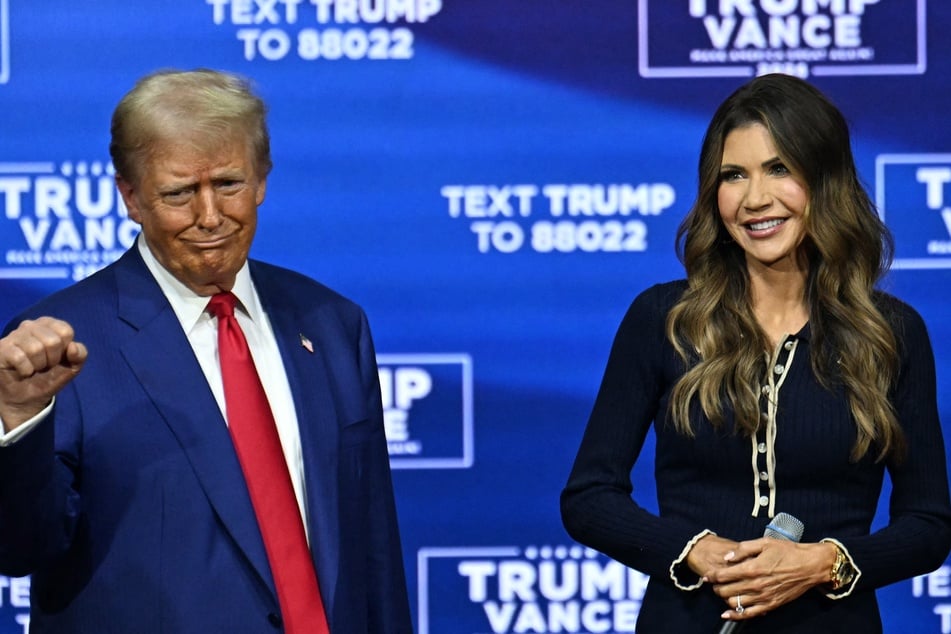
(739, 609)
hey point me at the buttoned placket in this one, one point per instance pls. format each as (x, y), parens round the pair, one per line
(763, 455)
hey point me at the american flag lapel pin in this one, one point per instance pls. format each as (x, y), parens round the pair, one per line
(305, 342)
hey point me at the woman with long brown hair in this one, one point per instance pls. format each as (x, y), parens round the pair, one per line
(778, 379)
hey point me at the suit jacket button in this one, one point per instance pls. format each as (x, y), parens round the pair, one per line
(275, 619)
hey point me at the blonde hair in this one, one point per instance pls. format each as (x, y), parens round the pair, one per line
(207, 106)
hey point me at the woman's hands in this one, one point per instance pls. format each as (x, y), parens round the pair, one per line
(710, 553)
(757, 576)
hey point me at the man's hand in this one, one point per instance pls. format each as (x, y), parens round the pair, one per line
(36, 361)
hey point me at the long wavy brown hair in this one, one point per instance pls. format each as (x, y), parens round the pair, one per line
(847, 248)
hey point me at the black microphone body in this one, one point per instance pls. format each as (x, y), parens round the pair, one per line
(782, 526)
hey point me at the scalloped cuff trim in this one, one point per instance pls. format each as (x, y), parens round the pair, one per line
(679, 567)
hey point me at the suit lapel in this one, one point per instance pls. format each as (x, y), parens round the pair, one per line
(316, 419)
(164, 363)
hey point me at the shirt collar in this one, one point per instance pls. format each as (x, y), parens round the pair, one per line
(190, 307)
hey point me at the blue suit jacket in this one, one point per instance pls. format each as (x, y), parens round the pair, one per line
(129, 507)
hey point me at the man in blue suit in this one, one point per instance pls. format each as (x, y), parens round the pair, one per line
(120, 489)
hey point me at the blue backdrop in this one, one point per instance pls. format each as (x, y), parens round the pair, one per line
(494, 182)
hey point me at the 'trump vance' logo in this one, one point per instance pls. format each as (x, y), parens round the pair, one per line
(427, 410)
(61, 221)
(536, 589)
(913, 196)
(740, 38)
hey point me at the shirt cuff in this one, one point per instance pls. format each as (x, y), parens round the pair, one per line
(682, 576)
(11, 437)
(847, 589)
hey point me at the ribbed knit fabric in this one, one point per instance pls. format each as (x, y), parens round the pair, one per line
(709, 482)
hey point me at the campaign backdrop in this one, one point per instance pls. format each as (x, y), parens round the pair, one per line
(493, 181)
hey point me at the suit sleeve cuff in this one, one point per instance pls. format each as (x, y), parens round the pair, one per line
(11, 437)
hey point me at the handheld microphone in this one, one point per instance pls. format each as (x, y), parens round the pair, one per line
(783, 526)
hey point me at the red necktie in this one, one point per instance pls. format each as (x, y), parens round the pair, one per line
(258, 446)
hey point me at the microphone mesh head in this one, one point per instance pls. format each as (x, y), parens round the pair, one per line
(785, 526)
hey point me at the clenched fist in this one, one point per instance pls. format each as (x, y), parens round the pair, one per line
(36, 361)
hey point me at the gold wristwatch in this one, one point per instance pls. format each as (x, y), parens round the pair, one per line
(842, 572)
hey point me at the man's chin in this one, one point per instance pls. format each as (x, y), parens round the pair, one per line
(208, 280)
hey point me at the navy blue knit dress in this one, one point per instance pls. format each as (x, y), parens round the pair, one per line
(732, 484)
